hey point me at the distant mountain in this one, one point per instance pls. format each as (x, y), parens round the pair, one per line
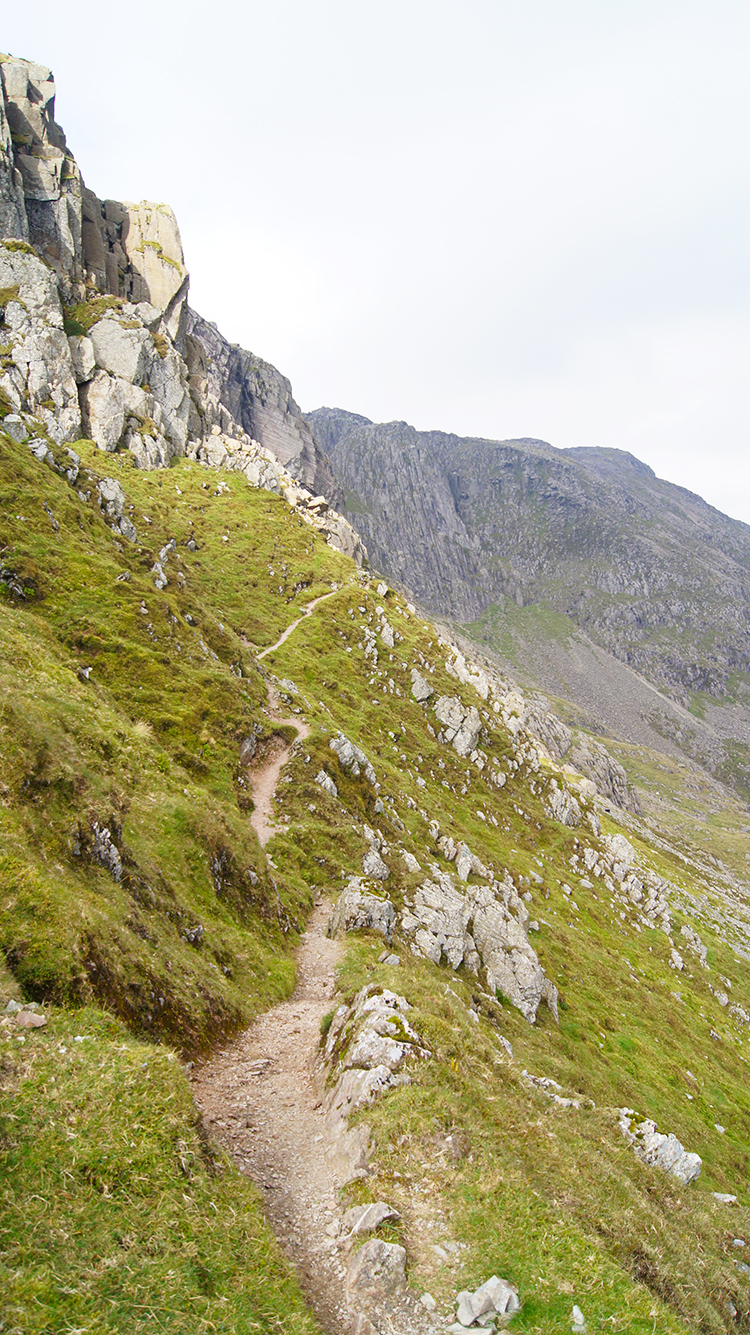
(527, 545)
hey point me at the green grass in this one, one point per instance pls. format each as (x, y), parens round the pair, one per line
(148, 744)
(509, 629)
(115, 1212)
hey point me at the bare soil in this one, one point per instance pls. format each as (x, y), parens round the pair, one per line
(263, 780)
(258, 1099)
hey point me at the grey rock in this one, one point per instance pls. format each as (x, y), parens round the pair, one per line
(366, 1218)
(461, 723)
(14, 426)
(494, 1298)
(438, 921)
(37, 375)
(358, 910)
(593, 759)
(352, 758)
(160, 578)
(560, 804)
(257, 397)
(105, 852)
(659, 1150)
(82, 357)
(112, 498)
(374, 867)
(325, 782)
(377, 1271)
(128, 529)
(420, 688)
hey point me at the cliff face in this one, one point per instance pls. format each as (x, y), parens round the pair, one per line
(581, 568)
(647, 569)
(132, 254)
(254, 394)
(131, 251)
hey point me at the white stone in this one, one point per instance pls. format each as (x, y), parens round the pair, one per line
(326, 782)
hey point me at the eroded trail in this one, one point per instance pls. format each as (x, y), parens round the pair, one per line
(257, 1097)
(285, 635)
(264, 779)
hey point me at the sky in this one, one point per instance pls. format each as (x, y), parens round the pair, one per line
(500, 218)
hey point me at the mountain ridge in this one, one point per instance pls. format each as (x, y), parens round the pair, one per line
(531, 1081)
(645, 569)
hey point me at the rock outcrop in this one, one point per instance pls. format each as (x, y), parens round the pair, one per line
(255, 395)
(137, 370)
(484, 928)
(659, 1150)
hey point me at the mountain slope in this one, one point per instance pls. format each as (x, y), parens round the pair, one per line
(543, 1000)
(590, 544)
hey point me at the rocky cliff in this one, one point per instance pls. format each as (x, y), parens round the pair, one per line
(639, 567)
(151, 374)
(254, 394)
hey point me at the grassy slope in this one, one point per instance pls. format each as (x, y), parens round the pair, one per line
(552, 1198)
(624, 1038)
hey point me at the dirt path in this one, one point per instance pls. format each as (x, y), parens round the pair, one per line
(258, 1099)
(263, 781)
(310, 608)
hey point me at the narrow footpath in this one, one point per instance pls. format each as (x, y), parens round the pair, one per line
(263, 780)
(285, 636)
(257, 1098)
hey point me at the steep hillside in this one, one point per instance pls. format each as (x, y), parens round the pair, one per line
(527, 1046)
(136, 881)
(549, 556)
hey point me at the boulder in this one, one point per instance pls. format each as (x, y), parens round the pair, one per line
(352, 759)
(106, 401)
(494, 1298)
(511, 963)
(420, 687)
(82, 357)
(561, 805)
(461, 724)
(357, 910)
(438, 922)
(377, 1272)
(659, 1150)
(366, 1218)
(325, 782)
(121, 352)
(374, 867)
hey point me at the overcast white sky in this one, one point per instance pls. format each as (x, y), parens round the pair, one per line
(501, 218)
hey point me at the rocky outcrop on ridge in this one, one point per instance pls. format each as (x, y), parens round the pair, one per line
(255, 395)
(97, 337)
(129, 250)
